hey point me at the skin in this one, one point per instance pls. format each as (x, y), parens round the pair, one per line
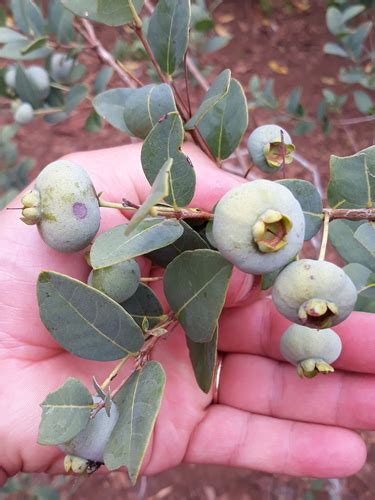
(265, 417)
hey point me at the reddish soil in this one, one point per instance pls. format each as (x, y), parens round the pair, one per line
(294, 38)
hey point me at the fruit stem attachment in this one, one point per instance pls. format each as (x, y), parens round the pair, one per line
(323, 246)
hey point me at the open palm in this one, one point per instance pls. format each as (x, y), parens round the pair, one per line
(264, 417)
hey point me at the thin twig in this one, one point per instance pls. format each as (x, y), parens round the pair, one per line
(186, 76)
(323, 245)
(350, 213)
(313, 169)
(114, 373)
(89, 35)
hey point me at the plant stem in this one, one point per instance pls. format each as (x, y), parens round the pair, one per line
(150, 279)
(110, 204)
(350, 213)
(136, 18)
(323, 246)
(114, 373)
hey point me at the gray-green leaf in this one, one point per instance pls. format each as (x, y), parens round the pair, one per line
(85, 321)
(28, 17)
(159, 191)
(363, 278)
(341, 235)
(163, 142)
(146, 106)
(110, 105)
(218, 90)
(144, 304)
(117, 12)
(223, 126)
(190, 240)
(308, 197)
(139, 403)
(114, 246)
(352, 183)
(195, 284)
(365, 234)
(203, 359)
(66, 412)
(168, 33)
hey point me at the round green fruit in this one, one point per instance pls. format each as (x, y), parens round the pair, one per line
(24, 113)
(314, 293)
(61, 67)
(311, 350)
(10, 77)
(119, 281)
(90, 443)
(265, 146)
(259, 226)
(66, 208)
(40, 80)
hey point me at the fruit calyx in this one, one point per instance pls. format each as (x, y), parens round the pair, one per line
(309, 368)
(270, 231)
(80, 465)
(278, 153)
(317, 313)
(31, 212)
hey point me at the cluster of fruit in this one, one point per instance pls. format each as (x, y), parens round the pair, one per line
(258, 226)
(60, 68)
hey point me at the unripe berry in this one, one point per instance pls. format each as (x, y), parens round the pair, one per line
(269, 147)
(40, 79)
(24, 113)
(314, 293)
(10, 77)
(60, 67)
(259, 226)
(311, 350)
(69, 208)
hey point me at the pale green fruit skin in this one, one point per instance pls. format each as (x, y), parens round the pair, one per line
(40, 79)
(24, 113)
(92, 440)
(259, 138)
(300, 342)
(61, 67)
(69, 206)
(236, 213)
(307, 279)
(119, 281)
(10, 77)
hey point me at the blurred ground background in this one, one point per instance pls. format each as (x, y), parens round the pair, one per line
(292, 34)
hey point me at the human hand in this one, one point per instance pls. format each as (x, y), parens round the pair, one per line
(264, 417)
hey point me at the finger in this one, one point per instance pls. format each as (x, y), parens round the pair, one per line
(257, 328)
(269, 387)
(228, 436)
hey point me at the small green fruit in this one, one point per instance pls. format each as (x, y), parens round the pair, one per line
(90, 443)
(40, 79)
(265, 146)
(259, 226)
(61, 67)
(314, 293)
(312, 351)
(69, 214)
(119, 281)
(10, 77)
(24, 113)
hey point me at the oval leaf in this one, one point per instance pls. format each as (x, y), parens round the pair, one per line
(139, 403)
(168, 33)
(218, 90)
(145, 106)
(308, 197)
(190, 240)
(341, 235)
(110, 105)
(223, 126)
(85, 321)
(363, 278)
(144, 304)
(195, 285)
(365, 234)
(66, 412)
(159, 190)
(353, 171)
(114, 246)
(203, 360)
(26, 88)
(117, 12)
(163, 142)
